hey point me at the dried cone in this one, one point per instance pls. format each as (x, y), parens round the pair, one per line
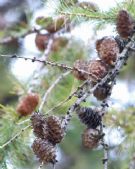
(98, 68)
(108, 50)
(56, 25)
(90, 138)
(90, 117)
(94, 70)
(44, 150)
(82, 65)
(28, 104)
(39, 125)
(41, 41)
(102, 92)
(125, 24)
(56, 131)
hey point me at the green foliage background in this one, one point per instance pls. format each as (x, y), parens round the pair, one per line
(19, 154)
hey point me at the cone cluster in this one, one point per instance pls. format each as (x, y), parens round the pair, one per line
(49, 132)
(28, 104)
(93, 70)
(92, 119)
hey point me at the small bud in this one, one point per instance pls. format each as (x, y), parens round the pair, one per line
(89, 6)
(56, 24)
(28, 104)
(102, 92)
(41, 41)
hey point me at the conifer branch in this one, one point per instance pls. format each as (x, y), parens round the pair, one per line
(15, 137)
(37, 74)
(11, 38)
(69, 97)
(44, 99)
(110, 77)
(53, 64)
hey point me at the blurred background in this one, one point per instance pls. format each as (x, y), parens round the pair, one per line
(16, 18)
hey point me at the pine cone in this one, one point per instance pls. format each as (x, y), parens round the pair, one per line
(90, 117)
(125, 24)
(108, 50)
(96, 68)
(56, 132)
(41, 41)
(44, 150)
(102, 92)
(90, 138)
(82, 65)
(28, 104)
(39, 124)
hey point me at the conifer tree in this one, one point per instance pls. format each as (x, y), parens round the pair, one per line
(55, 110)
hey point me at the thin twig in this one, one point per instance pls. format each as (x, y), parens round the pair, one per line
(10, 38)
(13, 138)
(44, 99)
(61, 103)
(53, 64)
(37, 75)
(68, 98)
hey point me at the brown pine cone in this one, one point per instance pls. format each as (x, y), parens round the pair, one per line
(28, 104)
(56, 132)
(82, 65)
(98, 68)
(44, 150)
(102, 92)
(90, 138)
(90, 117)
(108, 50)
(95, 69)
(41, 41)
(39, 124)
(125, 24)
